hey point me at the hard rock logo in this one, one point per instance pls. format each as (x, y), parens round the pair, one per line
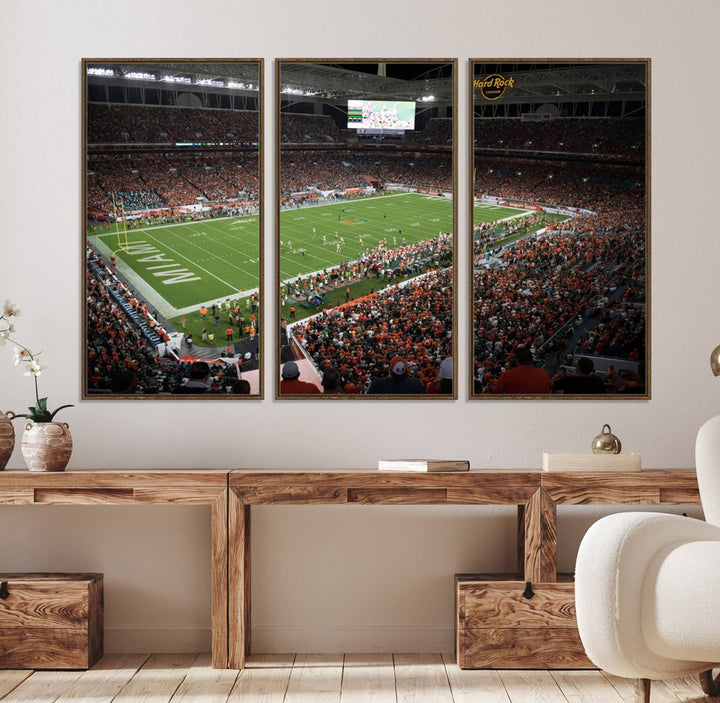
(494, 86)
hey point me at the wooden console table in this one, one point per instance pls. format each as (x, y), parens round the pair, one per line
(201, 487)
(231, 495)
(537, 495)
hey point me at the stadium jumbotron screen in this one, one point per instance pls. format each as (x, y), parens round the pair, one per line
(381, 115)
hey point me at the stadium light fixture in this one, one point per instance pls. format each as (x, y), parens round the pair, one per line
(427, 98)
(98, 71)
(177, 79)
(140, 76)
(210, 81)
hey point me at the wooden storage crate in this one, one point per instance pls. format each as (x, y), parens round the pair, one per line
(50, 621)
(497, 627)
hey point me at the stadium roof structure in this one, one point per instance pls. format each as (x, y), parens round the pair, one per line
(378, 81)
(231, 76)
(577, 82)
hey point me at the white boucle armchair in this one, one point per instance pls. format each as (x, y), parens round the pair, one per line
(647, 586)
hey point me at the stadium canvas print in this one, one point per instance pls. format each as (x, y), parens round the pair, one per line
(366, 228)
(560, 230)
(173, 233)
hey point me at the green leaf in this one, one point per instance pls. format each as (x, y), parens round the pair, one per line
(56, 411)
(42, 404)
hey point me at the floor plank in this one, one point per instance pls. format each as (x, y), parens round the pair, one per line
(264, 679)
(421, 677)
(316, 678)
(105, 680)
(474, 685)
(531, 687)
(42, 687)
(10, 679)
(368, 678)
(158, 680)
(203, 684)
(659, 692)
(586, 687)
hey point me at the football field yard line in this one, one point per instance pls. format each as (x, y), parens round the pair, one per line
(419, 216)
(214, 256)
(193, 263)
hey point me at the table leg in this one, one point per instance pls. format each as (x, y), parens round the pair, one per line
(238, 581)
(537, 538)
(219, 614)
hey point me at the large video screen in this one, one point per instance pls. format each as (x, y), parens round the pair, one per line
(381, 115)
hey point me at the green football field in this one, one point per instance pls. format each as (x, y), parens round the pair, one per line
(488, 213)
(360, 225)
(190, 263)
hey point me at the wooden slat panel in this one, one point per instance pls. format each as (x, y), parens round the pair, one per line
(502, 605)
(522, 648)
(315, 677)
(29, 480)
(186, 496)
(540, 538)
(286, 495)
(158, 680)
(17, 497)
(219, 581)
(474, 686)
(41, 686)
(264, 679)
(632, 488)
(105, 680)
(479, 478)
(203, 683)
(47, 648)
(368, 678)
(679, 496)
(47, 603)
(84, 496)
(238, 566)
(491, 495)
(393, 496)
(421, 677)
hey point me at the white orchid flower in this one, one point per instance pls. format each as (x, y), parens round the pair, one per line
(33, 368)
(22, 355)
(10, 309)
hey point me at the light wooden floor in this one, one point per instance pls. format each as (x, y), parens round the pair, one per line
(350, 678)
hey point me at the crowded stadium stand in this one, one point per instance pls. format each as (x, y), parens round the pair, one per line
(323, 157)
(164, 143)
(570, 140)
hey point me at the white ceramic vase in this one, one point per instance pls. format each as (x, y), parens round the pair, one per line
(46, 446)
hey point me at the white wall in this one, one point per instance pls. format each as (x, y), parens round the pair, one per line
(329, 577)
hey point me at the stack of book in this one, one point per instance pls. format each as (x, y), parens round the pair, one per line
(423, 465)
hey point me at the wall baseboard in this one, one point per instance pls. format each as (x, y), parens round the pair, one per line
(411, 640)
(150, 640)
(274, 640)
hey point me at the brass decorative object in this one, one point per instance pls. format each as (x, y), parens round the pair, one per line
(606, 442)
(715, 360)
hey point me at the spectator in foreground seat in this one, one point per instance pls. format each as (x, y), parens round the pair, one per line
(523, 379)
(398, 382)
(291, 383)
(582, 382)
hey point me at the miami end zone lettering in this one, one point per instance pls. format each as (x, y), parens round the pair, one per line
(494, 86)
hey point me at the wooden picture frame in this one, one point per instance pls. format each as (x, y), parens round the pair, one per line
(365, 152)
(560, 228)
(172, 228)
